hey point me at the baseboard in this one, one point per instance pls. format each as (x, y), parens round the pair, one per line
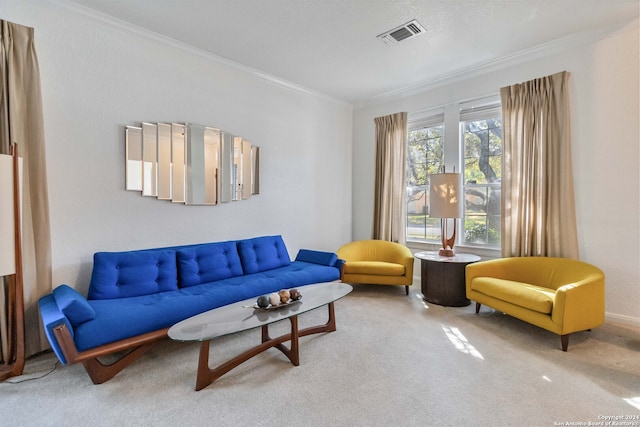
(622, 319)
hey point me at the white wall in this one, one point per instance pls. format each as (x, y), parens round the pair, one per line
(97, 78)
(604, 117)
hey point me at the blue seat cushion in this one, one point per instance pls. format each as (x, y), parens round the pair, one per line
(127, 317)
(133, 273)
(117, 320)
(73, 305)
(263, 253)
(208, 263)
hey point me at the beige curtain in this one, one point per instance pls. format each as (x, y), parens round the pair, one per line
(21, 121)
(389, 214)
(538, 203)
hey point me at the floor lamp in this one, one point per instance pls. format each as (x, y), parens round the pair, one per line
(11, 263)
(445, 202)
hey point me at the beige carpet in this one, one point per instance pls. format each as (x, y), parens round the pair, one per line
(394, 361)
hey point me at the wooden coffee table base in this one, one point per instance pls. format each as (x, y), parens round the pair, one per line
(206, 375)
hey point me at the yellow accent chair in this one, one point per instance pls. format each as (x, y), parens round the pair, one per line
(377, 262)
(561, 295)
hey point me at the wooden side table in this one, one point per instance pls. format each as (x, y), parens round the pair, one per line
(443, 278)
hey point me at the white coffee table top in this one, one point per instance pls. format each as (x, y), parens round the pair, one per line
(433, 256)
(237, 317)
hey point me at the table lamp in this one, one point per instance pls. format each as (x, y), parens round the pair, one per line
(445, 202)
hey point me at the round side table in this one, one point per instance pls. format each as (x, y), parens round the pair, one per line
(443, 278)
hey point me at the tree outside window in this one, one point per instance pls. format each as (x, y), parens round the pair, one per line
(482, 175)
(424, 157)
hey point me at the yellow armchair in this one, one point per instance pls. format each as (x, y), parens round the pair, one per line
(560, 295)
(377, 262)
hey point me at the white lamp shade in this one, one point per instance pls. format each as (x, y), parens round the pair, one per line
(446, 195)
(7, 221)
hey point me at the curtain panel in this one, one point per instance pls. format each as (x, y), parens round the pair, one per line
(389, 211)
(538, 205)
(21, 121)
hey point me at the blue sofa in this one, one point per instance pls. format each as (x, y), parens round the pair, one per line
(136, 296)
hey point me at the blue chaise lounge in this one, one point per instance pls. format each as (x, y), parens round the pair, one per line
(136, 296)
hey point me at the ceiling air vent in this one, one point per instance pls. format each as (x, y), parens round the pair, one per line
(403, 32)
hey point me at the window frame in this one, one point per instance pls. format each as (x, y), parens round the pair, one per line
(416, 121)
(452, 116)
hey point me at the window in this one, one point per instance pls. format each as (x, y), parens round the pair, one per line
(425, 155)
(475, 147)
(482, 174)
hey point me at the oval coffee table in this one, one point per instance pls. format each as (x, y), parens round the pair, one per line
(237, 317)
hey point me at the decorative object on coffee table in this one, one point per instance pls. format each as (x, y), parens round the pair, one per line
(280, 299)
(295, 294)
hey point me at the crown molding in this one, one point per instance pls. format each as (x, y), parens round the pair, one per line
(475, 70)
(143, 32)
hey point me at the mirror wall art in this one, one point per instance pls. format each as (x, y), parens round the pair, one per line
(189, 163)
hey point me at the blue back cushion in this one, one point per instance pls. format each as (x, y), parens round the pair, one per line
(263, 253)
(208, 263)
(134, 273)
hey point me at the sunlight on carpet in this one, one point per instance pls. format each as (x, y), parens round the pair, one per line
(634, 401)
(460, 341)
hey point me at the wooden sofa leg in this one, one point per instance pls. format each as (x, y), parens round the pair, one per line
(478, 307)
(100, 372)
(406, 289)
(565, 341)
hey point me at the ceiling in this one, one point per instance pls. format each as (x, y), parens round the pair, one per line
(330, 46)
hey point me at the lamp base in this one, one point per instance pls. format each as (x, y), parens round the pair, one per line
(446, 253)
